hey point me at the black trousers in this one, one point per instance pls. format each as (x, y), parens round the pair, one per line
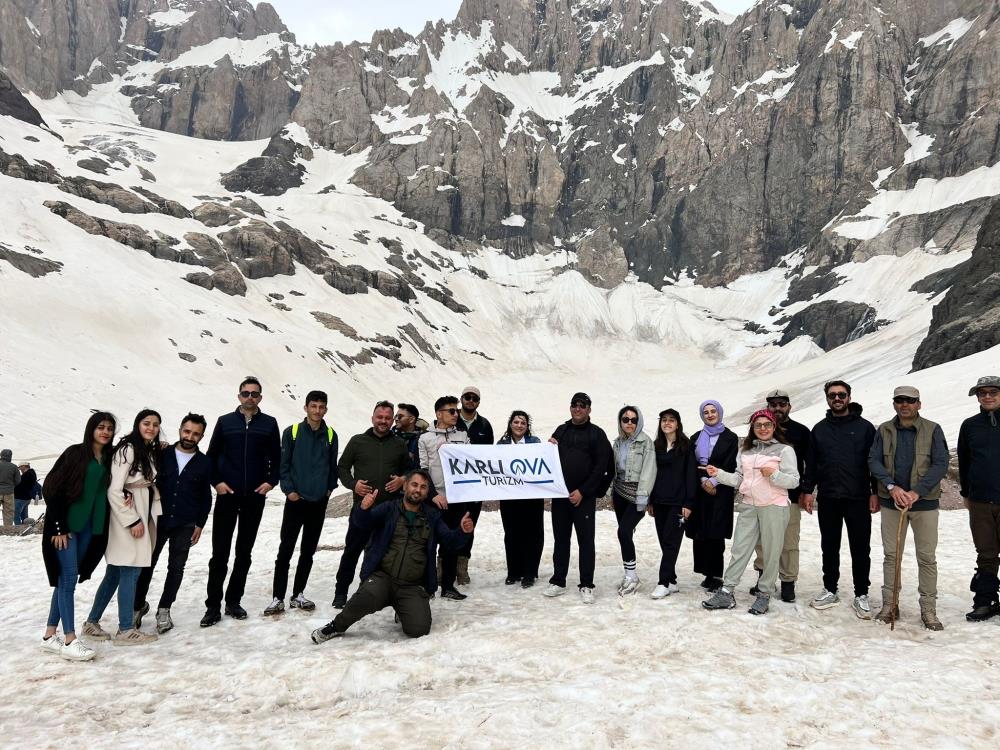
(984, 522)
(628, 518)
(709, 556)
(240, 515)
(566, 517)
(308, 517)
(452, 516)
(670, 533)
(834, 513)
(378, 591)
(355, 542)
(523, 536)
(179, 539)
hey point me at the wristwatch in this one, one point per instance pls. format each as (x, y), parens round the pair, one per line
(890, 487)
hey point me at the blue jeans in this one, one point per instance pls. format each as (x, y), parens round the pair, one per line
(61, 607)
(121, 578)
(21, 511)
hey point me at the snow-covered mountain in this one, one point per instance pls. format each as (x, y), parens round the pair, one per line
(645, 199)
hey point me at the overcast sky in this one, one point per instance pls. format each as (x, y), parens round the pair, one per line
(343, 21)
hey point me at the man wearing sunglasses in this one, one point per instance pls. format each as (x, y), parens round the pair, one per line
(245, 451)
(909, 458)
(838, 469)
(480, 433)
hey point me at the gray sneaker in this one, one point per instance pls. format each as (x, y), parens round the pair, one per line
(163, 621)
(760, 604)
(721, 599)
(139, 614)
(862, 607)
(276, 607)
(824, 600)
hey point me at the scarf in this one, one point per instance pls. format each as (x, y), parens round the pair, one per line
(703, 448)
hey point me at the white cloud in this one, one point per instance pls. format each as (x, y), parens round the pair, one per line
(342, 21)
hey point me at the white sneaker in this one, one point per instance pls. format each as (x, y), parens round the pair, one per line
(587, 594)
(662, 592)
(862, 607)
(552, 590)
(629, 586)
(76, 650)
(824, 600)
(276, 607)
(52, 644)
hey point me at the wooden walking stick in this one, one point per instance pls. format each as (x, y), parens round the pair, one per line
(896, 583)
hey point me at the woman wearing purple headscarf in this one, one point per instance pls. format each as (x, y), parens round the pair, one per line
(711, 521)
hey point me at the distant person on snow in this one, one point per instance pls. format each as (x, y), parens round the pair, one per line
(9, 477)
(979, 476)
(245, 451)
(635, 473)
(398, 569)
(23, 492)
(909, 458)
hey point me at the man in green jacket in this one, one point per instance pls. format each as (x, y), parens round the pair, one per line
(909, 458)
(374, 460)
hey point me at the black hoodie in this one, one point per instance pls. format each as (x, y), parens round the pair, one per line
(838, 453)
(979, 457)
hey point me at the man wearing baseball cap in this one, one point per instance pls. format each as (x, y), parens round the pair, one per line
(909, 458)
(979, 478)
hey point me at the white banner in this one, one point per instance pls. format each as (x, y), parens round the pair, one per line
(501, 472)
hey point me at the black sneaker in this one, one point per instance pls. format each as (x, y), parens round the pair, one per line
(788, 591)
(454, 594)
(707, 582)
(511, 580)
(755, 589)
(983, 613)
(212, 616)
(714, 584)
(339, 601)
(527, 583)
(236, 612)
(139, 614)
(325, 633)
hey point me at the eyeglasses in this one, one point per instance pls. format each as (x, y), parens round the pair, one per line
(470, 397)
(579, 405)
(763, 426)
(450, 411)
(630, 420)
(249, 394)
(905, 400)
(836, 396)
(988, 392)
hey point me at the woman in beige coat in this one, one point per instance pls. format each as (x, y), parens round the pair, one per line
(135, 504)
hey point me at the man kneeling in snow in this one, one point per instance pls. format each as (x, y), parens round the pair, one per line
(398, 568)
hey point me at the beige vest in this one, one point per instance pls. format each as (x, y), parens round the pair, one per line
(922, 459)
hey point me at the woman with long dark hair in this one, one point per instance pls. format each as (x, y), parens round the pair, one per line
(672, 498)
(766, 469)
(523, 520)
(75, 531)
(635, 473)
(711, 521)
(135, 503)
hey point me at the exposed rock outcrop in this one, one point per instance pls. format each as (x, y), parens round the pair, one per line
(830, 323)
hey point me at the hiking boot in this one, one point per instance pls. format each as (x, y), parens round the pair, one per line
(929, 618)
(824, 600)
(163, 620)
(139, 614)
(760, 605)
(553, 590)
(462, 572)
(276, 607)
(453, 594)
(212, 617)
(709, 583)
(325, 633)
(510, 580)
(76, 650)
(236, 612)
(95, 631)
(755, 589)
(862, 607)
(662, 592)
(721, 599)
(983, 612)
(339, 601)
(587, 594)
(133, 637)
(527, 583)
(788, 591)
(629, 585)
(53, 644)
(886, 614)
(300, 602)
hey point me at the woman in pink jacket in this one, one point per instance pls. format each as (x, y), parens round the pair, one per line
(765, 470)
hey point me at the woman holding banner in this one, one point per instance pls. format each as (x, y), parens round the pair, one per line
(635, 474)
(523, 520)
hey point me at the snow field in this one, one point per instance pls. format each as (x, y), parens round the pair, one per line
(509, 668)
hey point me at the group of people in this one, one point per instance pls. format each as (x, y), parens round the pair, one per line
(19, 488)
(130, 500)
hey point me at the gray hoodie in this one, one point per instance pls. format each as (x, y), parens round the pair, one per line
(10, 475)
(635, 464)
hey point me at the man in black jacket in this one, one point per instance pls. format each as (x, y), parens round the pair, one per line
(398, 570)
(23, 493)
(838, 467)
(587, 465)
(184, 481)
(979, 477)
(480, 432)
(245, 451)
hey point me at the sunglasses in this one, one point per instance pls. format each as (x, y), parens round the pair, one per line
(837, 396)
(904, 400)
(763, 426)
(988, 393)
(470, 397)
(249, 394)
(579, 405)
(630, 420)
(450, 411)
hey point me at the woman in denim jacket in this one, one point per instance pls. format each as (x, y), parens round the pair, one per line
(635, 474)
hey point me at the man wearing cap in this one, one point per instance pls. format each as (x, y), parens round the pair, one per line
(587, 465)
(979, 478)
(480, 432)
(797, 436)
(909, 458)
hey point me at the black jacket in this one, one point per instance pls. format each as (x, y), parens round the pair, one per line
(712, 515)
(26, 486)
(979, 457)
(480, 431)
(381, 519)
(588, 463)
(676, 480)
(245, 454)
(186, 497)
(797, 435)
(838, 456)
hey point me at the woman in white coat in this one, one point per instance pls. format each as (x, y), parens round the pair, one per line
(135, 504)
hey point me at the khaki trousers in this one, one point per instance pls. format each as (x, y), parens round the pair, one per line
(788, 564)
(8, 509)
(925, 536)
(764, 524)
